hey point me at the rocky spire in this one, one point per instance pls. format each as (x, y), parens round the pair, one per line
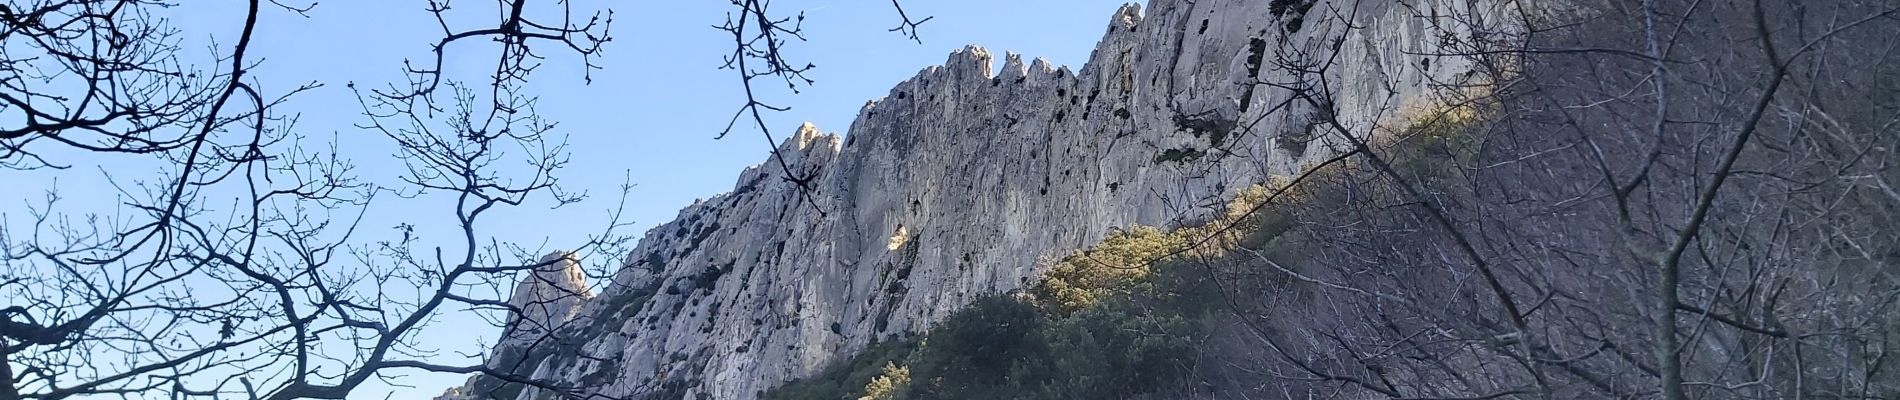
(547, 298)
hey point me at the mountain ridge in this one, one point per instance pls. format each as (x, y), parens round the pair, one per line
(963, 181)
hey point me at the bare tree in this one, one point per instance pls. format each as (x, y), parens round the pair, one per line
(237, 273)
(241, 268)
(1620, 203)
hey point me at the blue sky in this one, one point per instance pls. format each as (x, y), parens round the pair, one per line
(648, 117)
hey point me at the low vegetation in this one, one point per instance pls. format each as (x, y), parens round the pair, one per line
(1129, 316)
(1122, 318)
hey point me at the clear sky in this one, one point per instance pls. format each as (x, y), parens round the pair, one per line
(649, 116)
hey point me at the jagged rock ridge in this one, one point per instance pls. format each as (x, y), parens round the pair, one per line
(962, 182)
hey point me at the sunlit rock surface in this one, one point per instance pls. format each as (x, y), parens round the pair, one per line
(963, 181)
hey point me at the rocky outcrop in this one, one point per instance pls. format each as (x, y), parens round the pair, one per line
(547, 298)
(964, 181)
(543, 302)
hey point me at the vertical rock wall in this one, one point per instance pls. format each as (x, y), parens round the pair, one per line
(963, 181)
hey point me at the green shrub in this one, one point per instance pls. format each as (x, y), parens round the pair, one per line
(1440, 142)
(849, 379)
(1119, 319)
(889, 385)
(1111, 268)
(1109, 352)
(993, 349)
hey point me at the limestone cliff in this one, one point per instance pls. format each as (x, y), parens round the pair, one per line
(544, 302)
(547, 299)
(962, 182)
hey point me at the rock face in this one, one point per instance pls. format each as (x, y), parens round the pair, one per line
(963, 182)
(545, 301)
(547, 298)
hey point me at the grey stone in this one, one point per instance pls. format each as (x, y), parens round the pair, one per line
(987, 177)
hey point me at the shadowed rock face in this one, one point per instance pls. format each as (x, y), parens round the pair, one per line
(985, 176)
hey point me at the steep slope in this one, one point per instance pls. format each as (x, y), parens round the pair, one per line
(545, 301)
(963, 182)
